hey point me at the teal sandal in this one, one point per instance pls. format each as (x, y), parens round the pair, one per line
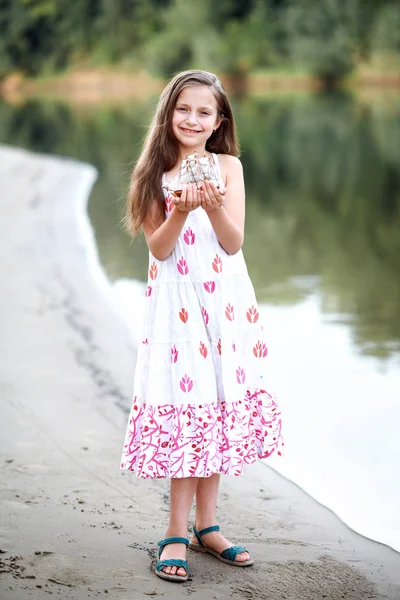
(172, 562)
(227, 556)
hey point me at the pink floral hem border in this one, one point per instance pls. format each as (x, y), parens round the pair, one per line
(199, 440)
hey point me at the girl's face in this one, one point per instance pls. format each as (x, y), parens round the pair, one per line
(195, 117)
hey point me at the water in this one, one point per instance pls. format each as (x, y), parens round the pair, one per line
(323, 250)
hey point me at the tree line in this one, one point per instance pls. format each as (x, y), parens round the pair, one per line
(326, 38)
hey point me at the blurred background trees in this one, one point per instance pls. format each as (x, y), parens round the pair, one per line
(326, 38)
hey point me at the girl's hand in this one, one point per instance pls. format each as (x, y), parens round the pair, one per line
(190, 198)
(212, 198)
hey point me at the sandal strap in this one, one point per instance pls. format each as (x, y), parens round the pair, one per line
(171, 540)
(172, 562)
(202, 532)
(232, 552)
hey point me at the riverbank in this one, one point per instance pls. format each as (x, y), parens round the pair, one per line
(73, 525)
(83, 86)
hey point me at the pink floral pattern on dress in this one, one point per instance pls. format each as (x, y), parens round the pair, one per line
(209, 286)
(149, 289)
(189, 237)
(205, 315)
(169, 202)
(186, 384)
(240, 375)
(186, 440)
(153, 271)
(252, 315)
(182, 267)
(230, 312)
(203, 349)
(260, 350)
(217, 264)
(174, 354)
(184, 315)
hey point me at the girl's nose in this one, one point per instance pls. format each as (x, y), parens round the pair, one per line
(191, 119)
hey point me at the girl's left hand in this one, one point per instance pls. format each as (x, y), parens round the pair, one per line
(212, 197)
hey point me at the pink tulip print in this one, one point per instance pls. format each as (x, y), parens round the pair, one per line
(203, 350)
(153, 272)
(169, 201)
(174, 354)
(230, 312)
(149, 289)
(182, 267)
(209, 286)
(189, 237)
(184, 315)
(219, 347)
(145, 341)
(240, 375)
(260, 350)
(252, 315)
(205, 315)
(186, 384)
(234, 347)
(217, 264)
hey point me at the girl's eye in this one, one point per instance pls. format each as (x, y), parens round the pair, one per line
(183, 109)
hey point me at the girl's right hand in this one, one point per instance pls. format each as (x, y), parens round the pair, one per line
(190, 198)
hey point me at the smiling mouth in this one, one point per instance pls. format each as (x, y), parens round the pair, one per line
(190, 130)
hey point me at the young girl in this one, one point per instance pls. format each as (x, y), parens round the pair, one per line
(200, 408)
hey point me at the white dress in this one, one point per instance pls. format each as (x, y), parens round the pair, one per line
(200, 403)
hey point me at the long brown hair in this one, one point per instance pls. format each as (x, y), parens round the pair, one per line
(161, 152)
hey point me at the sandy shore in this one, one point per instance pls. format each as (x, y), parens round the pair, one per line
(73, 525)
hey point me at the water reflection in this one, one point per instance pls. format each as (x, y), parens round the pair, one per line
(323, 197)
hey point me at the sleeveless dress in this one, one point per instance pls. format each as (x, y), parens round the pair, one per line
(200, 405)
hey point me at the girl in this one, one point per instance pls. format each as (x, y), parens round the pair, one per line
(200, 408)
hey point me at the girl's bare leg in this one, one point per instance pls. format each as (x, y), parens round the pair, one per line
(206, 508)
(181, 498)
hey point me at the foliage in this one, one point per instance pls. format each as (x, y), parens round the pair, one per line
(186, 38)
(324, 37)
(387, 31)
(320, 38)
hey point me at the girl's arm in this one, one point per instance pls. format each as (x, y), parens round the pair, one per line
(228, 220)
(161, 239)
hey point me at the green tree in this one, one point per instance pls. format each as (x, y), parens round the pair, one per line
(123, 27)
(325, 37)
(246, 43)
(186, 39)
(386, 34)
(240, 45)
(25, 33)
(320, 38)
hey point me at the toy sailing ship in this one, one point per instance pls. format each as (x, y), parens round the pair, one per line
(193, 169)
